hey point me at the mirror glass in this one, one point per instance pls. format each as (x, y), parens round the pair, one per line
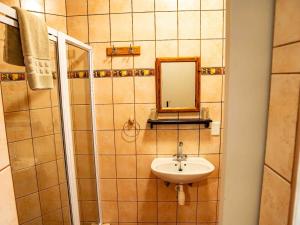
(178, 84)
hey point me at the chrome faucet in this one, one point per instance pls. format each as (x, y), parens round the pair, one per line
(180, 156)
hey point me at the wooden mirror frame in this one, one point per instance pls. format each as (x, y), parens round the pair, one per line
(158, 83)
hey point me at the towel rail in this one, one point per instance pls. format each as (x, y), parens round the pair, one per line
(9, 17)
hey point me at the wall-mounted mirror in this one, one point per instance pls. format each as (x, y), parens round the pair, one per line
(177, 84)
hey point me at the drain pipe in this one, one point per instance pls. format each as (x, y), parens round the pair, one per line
(180, 194)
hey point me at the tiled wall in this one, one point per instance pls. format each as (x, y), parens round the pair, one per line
(130, 193)
(8, 211)
(32, 120)
(283, 115)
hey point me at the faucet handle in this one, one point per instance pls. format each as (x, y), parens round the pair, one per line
(180, 144)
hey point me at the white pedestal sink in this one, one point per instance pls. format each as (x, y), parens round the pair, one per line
(193, 169)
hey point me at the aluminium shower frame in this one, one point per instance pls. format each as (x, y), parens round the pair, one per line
(9, 17)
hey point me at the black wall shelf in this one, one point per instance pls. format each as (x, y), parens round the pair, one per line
(206, 122)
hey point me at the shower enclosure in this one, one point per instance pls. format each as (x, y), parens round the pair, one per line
(54, 175)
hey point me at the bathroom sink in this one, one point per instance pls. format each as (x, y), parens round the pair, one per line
(193, 169)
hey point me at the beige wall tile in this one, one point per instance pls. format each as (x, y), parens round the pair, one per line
(76, 7)
(57, 7)
(286, 15)
(81, 91)
(125, 62)
(96, 34)
(144, 166)
(39, 98)
(85, 166)
(144, 89)
(189, 25)
(7, 203)
(275, 199)
(107, 166)
(143, 113)
(4, 156)
(211, 53)
(189, 48)
(123, 90)
(283, 109)
(211, 24)
(167, 211)
(207, 212)
(127, 211)
(44, 149)
(56, 217)
(25, 182)
(285, 59)
(57, 22)
(98, 7)
(190, 139)
(211, 4)
(166, 193)
(127, 189)
(83, 141)
(21, 154)
(87, 189)
(108, 189)
(28, 208)
(78, 27)
(50, 200)
(47, 175)
(187, 212)
(17, 125)
(211, 89)
(147, 212)
(147, 58)
(189, 5)
(120, 6)
(147, 189)
(101, 61)
(61, 169)
(208, 143)
(166, 48)
(166, 25)
(41, 122)
(208, 190)
(82, 117)
(126, 166)
(143, 26)
(89, 210)
(121, 27)
(167, 141)
(110, 211)
(146, 142)
(122, 113)
(106, 142)
(125, 145)
(143, 5)
(33, 5)
(14, 95)
(165, 5)
(103, 91)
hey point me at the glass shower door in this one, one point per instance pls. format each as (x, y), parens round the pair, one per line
(82, 131)
(35, 142)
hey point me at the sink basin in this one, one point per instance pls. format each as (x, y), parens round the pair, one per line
(192, 170)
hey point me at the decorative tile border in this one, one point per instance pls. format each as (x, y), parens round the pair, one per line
(108, 73)
(212, 70)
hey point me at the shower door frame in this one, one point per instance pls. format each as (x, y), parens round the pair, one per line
(62, 41)
(9, 17)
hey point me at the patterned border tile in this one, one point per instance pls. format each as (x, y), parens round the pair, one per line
(15, 76)
(212, 70)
